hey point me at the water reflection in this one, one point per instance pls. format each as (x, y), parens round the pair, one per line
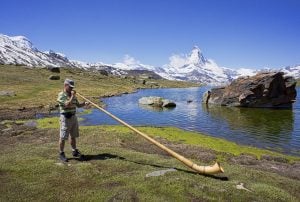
(275, 124)
(265, 128)
(156, 108)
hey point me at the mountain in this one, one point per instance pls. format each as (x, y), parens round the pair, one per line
(292, 71)
(18, 50)
(195, 67)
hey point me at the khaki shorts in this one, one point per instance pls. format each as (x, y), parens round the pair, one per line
(68, 126)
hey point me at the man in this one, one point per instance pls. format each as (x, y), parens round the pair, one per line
(68, 121)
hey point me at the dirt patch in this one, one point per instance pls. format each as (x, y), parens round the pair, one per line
(277, 165)
(22, 113)
(125, 195)
(271, 164)
(110, 185)
(194, 152)
(12, 133)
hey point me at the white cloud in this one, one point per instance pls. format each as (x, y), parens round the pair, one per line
(177, 61)
(128, 60)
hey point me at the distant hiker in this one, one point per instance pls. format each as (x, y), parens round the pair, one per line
(68, 121)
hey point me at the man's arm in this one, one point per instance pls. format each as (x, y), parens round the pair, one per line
(77, 103)
(69, 102)
(64, 101)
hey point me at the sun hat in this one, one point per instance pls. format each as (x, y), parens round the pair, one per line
(70, 83)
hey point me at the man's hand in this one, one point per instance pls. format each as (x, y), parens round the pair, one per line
(73, 93)
(85, 104)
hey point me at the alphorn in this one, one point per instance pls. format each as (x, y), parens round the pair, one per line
(214, 169)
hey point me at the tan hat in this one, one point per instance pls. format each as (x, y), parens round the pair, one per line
(70, 83)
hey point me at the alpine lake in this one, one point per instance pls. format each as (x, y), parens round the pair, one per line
(272, 129)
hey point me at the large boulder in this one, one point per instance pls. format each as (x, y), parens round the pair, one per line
(266, 89)
(54, 69)
(54, 77)
(156, 102)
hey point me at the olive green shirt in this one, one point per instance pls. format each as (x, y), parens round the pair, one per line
(62, 98)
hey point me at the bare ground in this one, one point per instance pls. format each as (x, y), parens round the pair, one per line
(22, 113)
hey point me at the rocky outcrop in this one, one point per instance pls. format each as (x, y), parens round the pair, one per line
(156, 102)
(54, 69)
(268, 89)
(54, 77)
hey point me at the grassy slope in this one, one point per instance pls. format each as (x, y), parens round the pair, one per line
(33, 88)
(30, 170)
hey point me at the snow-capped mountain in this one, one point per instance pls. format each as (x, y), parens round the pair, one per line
(195, 67)
(292, 71)
(18, 50)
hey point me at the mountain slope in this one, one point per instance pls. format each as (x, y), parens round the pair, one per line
(19, 50)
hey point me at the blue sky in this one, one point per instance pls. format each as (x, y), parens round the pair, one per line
(234, 33)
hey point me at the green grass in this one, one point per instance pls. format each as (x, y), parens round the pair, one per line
(33, 88)
(177, 135)
(29, 171)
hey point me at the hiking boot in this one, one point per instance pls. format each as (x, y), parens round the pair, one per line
(76, 153)
(62, 157)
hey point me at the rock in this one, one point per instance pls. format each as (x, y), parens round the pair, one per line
(241, 186)
(274, 158)
(54, 69)
(266, 89)
(168, 103)
(32, 124)
(156, 102)
(151, 100)
(206, 97)
(160, 172)
(54, 77)
(152, 84)
(103, 72)
(142, 81)
(7, 93)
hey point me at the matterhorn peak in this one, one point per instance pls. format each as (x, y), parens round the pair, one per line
(196, 57)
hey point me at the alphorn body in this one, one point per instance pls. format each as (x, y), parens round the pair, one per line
(214, 169)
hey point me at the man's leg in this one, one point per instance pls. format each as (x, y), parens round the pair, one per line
(73, 143)
(64, 132)
(62, 155)
(61, 144)
(74, 134)
(75, 151)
